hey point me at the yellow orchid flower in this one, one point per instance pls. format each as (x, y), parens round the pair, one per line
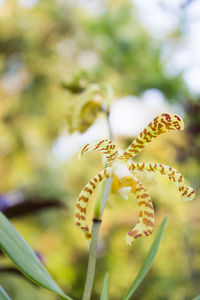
(125, 182)
(83, 109)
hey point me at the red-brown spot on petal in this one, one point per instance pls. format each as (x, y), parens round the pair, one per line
(145, 195)
(145, 204)
(92, 184)
(100, 178)
(82, 209)
(97, 146)
(87, 190)
(191, 193)
(178, 118)
(141, 214)
(180, 179)
(85, 228)
(139, 189)
(147, 222)
(132, 232)
(79, 217)
(138, 235)
(149, 214)
(82, 198)
(84, 148)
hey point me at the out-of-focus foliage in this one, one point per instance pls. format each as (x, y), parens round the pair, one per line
(129, 58)
(3, 294)
(147, 262)
(26, 260)
(45, 43)
(105, 288)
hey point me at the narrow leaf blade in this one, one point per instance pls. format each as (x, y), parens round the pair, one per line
(105, 289)
(148, 260)
(15, 247)
(196, 298)
(3, 294)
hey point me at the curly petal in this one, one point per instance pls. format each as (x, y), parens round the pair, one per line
(187, 192)
(82, 201)
(145, 224)
(104, 146)
(161, 124)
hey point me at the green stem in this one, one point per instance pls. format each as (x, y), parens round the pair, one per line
(109, 128)
(99, 198)
(92, 260)
(105, 193)
(94, 240)
(102, 196)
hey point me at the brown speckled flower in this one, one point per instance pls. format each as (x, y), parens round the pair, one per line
(124, 176)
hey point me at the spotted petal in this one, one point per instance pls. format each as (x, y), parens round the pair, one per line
(104, 146)
(144, 226)
(161, 124)
(172, 174)
(82, 201)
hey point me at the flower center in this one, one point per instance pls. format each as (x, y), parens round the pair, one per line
(123, 181)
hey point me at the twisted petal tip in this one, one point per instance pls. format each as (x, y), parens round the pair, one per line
(129, 240)
(175, 121)
(189, 194)
(83, 149)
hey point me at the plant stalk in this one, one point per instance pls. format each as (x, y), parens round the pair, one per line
(100, 204)
(94, 241)
(92, 260)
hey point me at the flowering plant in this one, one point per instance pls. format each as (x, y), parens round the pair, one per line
(124, 180)
(119, 175)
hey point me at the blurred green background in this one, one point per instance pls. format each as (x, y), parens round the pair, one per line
(50, 51)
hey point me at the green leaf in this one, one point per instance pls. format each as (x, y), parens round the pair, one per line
(148, 260)
(104, 291)
(196, 298)
(14, 246)
(3, 294)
